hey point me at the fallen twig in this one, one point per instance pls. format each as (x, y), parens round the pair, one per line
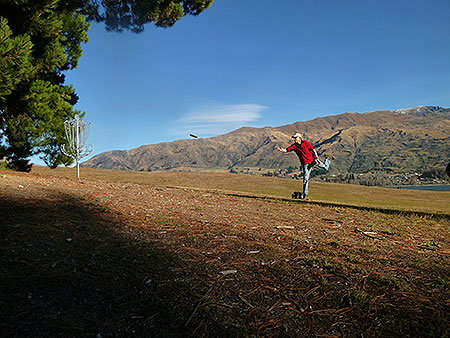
(198, 305)
(369, 234)
(245, 301)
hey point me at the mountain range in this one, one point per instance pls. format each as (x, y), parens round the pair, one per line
(403, 140)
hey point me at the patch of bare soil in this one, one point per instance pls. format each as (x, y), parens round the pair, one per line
(103, 259)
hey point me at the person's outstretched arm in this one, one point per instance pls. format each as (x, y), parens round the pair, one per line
(283, 150)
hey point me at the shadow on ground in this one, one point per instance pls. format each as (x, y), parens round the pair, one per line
(70, 270)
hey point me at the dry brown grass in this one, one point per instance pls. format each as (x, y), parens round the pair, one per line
(109, 258)
(433, 202)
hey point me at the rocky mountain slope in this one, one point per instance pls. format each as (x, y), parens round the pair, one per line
(402, 140)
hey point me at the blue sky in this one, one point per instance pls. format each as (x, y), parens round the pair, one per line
(261, 63)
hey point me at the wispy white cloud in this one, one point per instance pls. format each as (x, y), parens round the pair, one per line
(239, 113)
(214, 120)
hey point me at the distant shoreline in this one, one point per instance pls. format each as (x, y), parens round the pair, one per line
(433, 187)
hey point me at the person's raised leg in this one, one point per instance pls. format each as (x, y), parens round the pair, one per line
(324, 165)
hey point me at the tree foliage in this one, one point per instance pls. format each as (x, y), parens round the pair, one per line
(15, 58)
(42, 39)
(39, 41)
(133, 15)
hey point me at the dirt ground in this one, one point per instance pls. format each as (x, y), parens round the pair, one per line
(107, 259)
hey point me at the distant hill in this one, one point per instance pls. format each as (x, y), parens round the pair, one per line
(412, 139)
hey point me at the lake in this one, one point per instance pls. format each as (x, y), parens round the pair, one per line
(436, 187)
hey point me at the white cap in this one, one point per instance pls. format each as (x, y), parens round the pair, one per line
(297, 135)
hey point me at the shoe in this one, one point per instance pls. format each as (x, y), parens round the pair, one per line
(304, 197)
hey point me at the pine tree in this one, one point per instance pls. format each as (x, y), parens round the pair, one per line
(42, 39)
(39, 41)
(15, 58)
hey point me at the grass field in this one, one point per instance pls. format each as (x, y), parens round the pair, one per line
(124, 254)
(339, 194)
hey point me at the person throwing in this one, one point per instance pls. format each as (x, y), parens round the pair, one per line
(308, 159)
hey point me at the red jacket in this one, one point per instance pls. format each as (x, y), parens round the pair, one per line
(304, 151)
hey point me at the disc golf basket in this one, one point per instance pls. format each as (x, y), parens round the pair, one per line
(77, 133)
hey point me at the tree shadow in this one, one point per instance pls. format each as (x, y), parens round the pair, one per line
(70, 269)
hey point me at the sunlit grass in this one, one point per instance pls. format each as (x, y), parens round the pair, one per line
(345, 194)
